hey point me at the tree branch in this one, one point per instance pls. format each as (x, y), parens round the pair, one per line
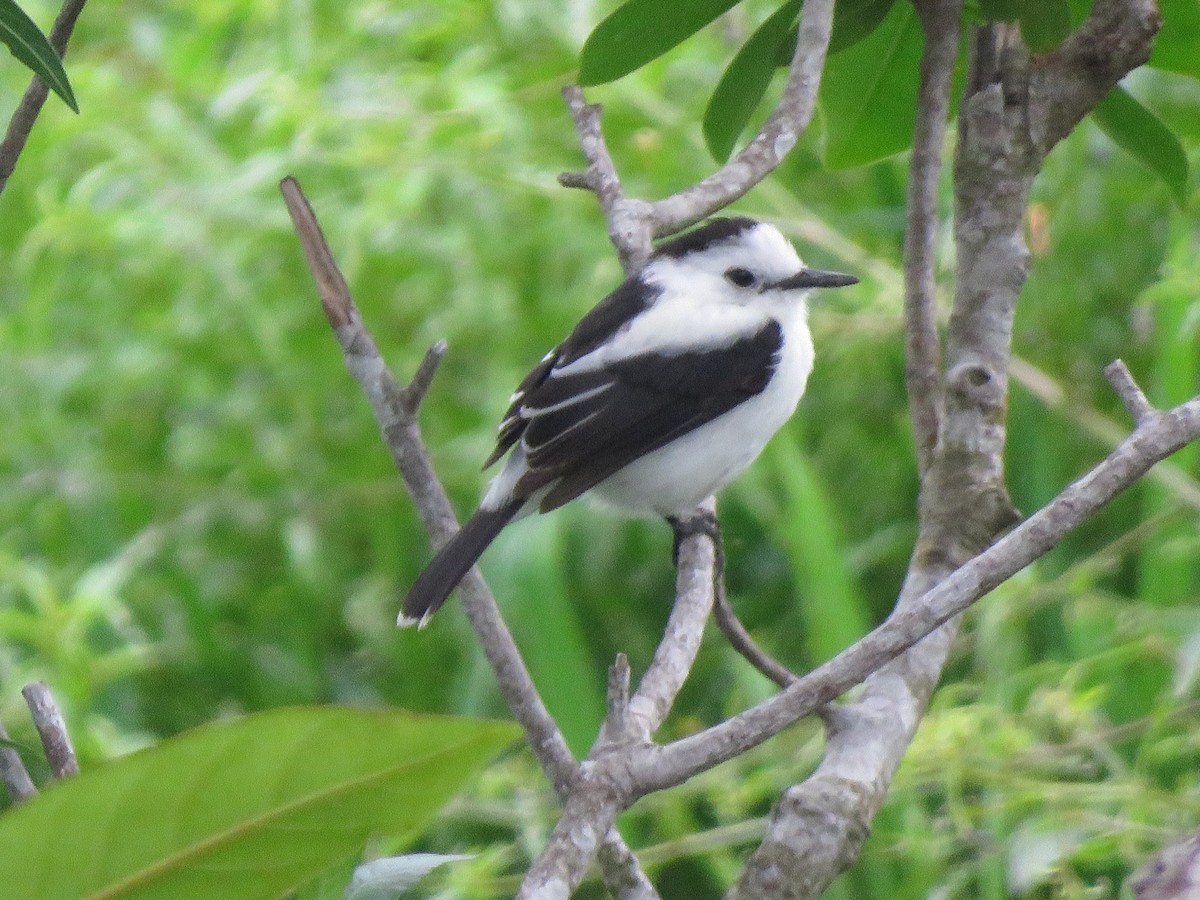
(963, 502)
(741, 641)
(614, 778)
(395, 410)
(51, 728)
(676, 653)
(13, 772)
(632, 224)
(775, 139)
(26, 113)
(922, 351)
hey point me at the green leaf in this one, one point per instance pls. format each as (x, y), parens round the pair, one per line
(854, 20)
(1138, 131)
(1177, 44)
(244, 808)
(642, 30)
(30, 46)
(745, 81)
(869, 91)
(1044, 23)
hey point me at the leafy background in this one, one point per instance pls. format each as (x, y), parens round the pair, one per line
(198, 518)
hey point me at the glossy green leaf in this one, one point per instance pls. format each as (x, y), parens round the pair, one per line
(640, 31)
(243, 808)
(1138, 131)
(1044, 23)
(853, 20)
(1177, 44)
(869, 91)
(31, 47)
(745, 81)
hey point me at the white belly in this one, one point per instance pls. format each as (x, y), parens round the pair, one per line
(674, 479)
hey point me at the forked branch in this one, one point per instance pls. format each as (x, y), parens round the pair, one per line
(395, 408)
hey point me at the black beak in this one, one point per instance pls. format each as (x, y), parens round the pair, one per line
(814, 278)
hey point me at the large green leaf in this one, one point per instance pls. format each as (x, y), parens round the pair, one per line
(1138, 131)
(1177, 44)
(869, 91)
(30, 46)
(1044, 23)
(771, 46)
(641, 30)
(245, 808)
(854, 20)
(745, 81)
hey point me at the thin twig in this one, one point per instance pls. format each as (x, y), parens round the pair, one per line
(776, 138)
(13, 772)
(48, 720)
(676, 653)
(616, 722)
(26, 113)
(423, 377)
(741, 641)
(394, 410)
(733, 629)
(629, 223)
(922, 351)
(632, 223)
(1136, 404)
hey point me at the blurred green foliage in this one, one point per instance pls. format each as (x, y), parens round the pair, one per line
(198, 517)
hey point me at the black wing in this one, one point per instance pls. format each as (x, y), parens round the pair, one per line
(598, 325)
(578, 429)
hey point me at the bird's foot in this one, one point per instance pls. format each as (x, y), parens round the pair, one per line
(701, 521)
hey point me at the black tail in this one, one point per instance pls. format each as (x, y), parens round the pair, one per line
(452, 562)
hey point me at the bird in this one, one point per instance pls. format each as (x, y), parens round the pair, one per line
(664, 392)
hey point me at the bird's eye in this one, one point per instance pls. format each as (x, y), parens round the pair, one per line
(741, 277)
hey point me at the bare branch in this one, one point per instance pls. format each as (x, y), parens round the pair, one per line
(616, 723)
(1175, 478)
(1127, 389)
(1172, 874)
(614, 779)
(1014, 110)
(423, 377)
(922, 351)
(26, 113)
(395, 411)
(1145, 446)
(741, 641)
(632, 223)
(818, 827)
(676, 652)
(13, 772)
(628, 220)
(775, 139)
(51, 728)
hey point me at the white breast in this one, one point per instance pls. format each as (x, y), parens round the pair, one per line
(674, 479)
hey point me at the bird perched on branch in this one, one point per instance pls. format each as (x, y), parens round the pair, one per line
(664, 392)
